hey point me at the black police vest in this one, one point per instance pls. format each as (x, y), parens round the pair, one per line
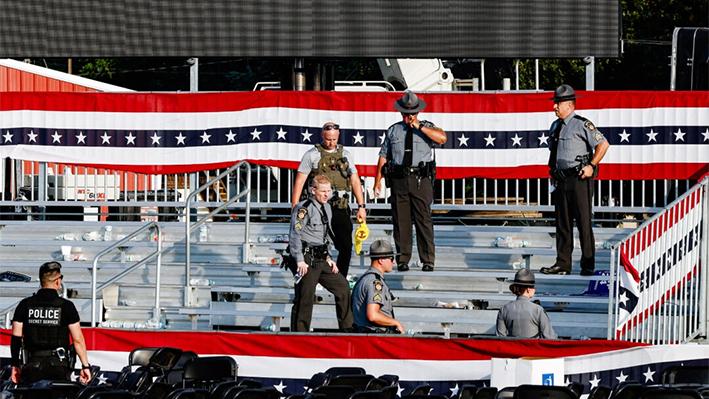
(335, 166)
(43, 328)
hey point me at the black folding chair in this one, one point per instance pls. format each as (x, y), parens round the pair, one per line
(206, 372)
(335, 371)
(467, 391)
(600, 392)
(670, 393)
(357, 381)
(318, 380)
(335, 391)
(543, 392)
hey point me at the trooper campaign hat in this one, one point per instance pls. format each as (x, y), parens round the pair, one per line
(410, 103)
(381, 249)
(564, 93)
(524, 278)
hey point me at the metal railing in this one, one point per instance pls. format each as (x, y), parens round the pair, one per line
(189, 226)
(123, 193)
(658, 275)
(122, 243)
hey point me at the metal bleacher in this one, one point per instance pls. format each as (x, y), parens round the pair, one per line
(460, 298)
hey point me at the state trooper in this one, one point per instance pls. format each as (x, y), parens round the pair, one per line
(44, 323)
(310, 235)
(371, 298)
(331, 159)
(522, 318)
(577, 147)
(407, 162)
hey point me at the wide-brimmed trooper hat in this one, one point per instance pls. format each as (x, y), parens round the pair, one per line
(564, 93)
(524, 278)
(410, 103)
(381, 249)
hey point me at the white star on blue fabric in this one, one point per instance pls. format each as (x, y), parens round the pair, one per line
(706, 135)
(256, 135)
(381, 138)
(516, 140)
(306, 135)
(280, 387)
(130, 139)
(649, 375)
(102, 379)
(623, 299)
(281, 134)
(624, 136)
(543, 139)
(622, 377)
(155, 138)
(679, 135)
(205, 137)
(81, 138)
(454, 390)
(595, 381)
(180, 139)
(489, 140)
(651, 136)
(230, 136)
(7, 136)
(106, 139)
(56, 137)
(358, 138)
(463, 142)
(32, 136)
(399, 391)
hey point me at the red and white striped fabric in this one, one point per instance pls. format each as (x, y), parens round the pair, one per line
(653, 135)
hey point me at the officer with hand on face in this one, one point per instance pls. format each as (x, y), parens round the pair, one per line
(407, 161)
(310, 236)
(45, 323)
(523, 318)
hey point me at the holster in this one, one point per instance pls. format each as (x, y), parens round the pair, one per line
(318, 252)
(340, 202)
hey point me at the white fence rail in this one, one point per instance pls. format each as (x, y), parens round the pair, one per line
(40, 185)
(660, 276)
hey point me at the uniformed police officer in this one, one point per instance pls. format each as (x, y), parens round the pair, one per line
(577, 147)
(371, 299)
(44, 322)
(310, 235)
(332, 160)
(523, 318)
(410, 171)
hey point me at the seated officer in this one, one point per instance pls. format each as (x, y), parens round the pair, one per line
(523, 318)
(45, 322)
(371, 299)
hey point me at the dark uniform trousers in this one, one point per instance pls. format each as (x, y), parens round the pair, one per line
(45, 368)
(320, 272)
(411, 201)
(342, 229)
(573, 200)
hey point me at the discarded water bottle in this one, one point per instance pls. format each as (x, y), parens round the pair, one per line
(112, 324)
(419, 287)
(90, 236)
(66, 237)
(133, 258)
(414, 332)
(203, 233)
(518, 244)
(604, 245)
(128, 302)
(266, 239)
(502, 242)
(297, 278)
(201, 282)
(518, 265)
(264, 260)
(269, 327)
(139, 326)
(154, 324)
(108, 233)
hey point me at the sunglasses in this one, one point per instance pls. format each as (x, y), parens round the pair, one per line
(409, 114)
(61, 277)
(330, 127)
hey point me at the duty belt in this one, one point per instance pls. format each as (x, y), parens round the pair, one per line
(316, 251)
(408, 170)
(561, 174)
(59, 352)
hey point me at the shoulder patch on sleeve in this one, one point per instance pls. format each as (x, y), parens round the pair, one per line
(378, 286)
(599, 136)
(377, 298)
(302, 212)
(298, 226)
(589, 125)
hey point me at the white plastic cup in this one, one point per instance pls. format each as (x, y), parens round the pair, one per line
(66, 249)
